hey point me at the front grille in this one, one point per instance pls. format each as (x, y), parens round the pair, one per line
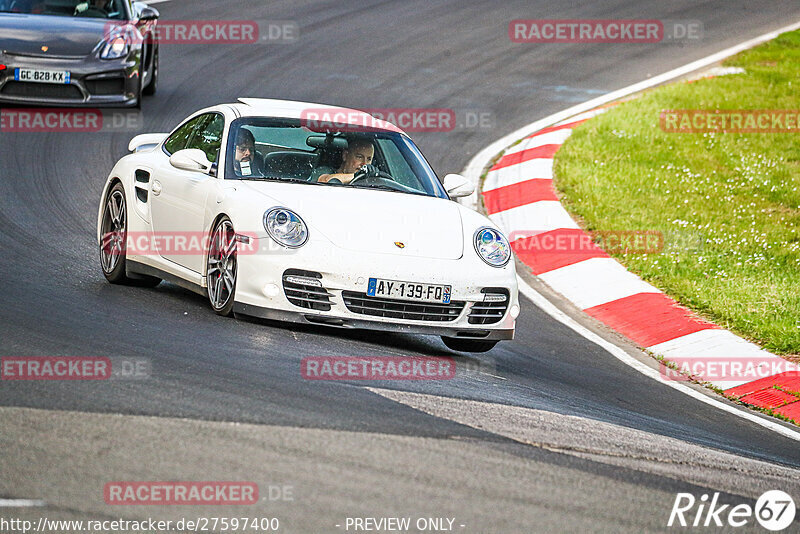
(106, 86)
(401, 309)
(42, 90)
(311, 297)
(489, 312)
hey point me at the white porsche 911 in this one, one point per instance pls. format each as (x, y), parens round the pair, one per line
(341, 224)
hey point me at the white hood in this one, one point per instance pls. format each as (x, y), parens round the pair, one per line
(371, 220)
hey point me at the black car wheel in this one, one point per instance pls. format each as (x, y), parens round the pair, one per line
(152, 85)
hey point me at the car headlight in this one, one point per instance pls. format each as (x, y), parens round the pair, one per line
(492, 246)
(115, 48)
(286, 227)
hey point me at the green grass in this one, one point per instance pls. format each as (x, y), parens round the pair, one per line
(728, 204)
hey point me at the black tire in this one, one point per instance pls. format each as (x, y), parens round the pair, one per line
(137, 104)
(152, 85)
(222, 268)
(113, 235)
(469, 345)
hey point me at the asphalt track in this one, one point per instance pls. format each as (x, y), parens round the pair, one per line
(345, 449)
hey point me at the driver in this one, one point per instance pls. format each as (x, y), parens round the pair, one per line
(246, 161)
(356, 161)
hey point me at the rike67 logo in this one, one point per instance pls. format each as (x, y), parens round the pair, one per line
(774, 510)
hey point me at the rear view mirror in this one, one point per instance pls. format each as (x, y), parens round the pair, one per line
(458, 186)
(325, 141)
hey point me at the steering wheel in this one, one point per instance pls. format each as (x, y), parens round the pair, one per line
(91, 11)
(365, 177)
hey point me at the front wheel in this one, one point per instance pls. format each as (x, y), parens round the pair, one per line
(152, 84)
(469, 345)
(221, 267)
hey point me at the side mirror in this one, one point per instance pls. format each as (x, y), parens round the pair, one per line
(458, 186)
(190, 159)
(148, 13)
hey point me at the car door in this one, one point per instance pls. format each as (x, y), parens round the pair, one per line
(178, 204)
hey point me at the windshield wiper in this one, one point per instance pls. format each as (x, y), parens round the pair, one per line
(388, 188)
(275, 179)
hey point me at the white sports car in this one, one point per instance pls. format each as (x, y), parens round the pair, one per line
(341, 224)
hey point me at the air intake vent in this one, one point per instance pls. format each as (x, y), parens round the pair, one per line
(114, 85)
(493, 307)
(401, 309)
(141, 185)
(42, 90)
(304, 289)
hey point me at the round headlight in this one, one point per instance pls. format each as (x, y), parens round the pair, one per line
(286, 227)
(115, 48)
(492, 247)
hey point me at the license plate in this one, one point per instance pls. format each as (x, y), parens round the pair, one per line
(408, 290)
(41, 76)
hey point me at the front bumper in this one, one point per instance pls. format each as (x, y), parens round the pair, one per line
(359, 323)
(260, 290)
(93, 82)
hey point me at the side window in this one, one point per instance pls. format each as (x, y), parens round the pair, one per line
(177, 141)
(208, 136)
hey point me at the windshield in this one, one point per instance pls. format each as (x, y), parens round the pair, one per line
(100, 9)
(285, 150)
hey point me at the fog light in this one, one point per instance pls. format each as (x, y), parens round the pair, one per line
(494, 297)
(514, 311)
(271, 290)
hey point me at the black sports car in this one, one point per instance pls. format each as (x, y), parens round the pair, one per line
(77, 52)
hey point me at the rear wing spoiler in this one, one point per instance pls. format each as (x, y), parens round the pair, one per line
(145, 141)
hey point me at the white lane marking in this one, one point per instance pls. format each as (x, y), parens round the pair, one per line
(550, 308)
(155, 1)
(548, 214)
(595, 281)
(513, 174)
(478, 162)
(583, 116)
(20, 503)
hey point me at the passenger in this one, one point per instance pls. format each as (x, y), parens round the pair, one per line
(246, 161)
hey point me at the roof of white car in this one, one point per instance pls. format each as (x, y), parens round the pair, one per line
(323, 114)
